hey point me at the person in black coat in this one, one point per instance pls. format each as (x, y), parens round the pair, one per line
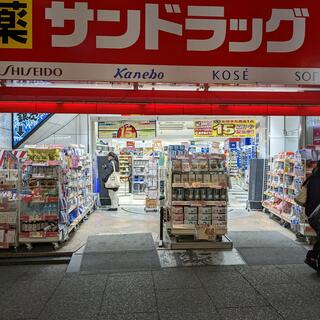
(313, 201)
(112, 163)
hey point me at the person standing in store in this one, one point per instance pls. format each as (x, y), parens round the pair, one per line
(313, 200)
(111, 165)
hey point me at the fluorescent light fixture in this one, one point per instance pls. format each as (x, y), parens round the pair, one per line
(70, 85)
(156, 86)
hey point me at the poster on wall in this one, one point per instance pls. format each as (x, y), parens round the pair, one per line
(316, 135)
(127, 130)
(24, 124)
(225, 129)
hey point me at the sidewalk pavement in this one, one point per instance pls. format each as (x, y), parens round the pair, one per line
(207, 293)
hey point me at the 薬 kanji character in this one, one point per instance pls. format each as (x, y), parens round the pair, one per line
(218, 26)
(256, 39)
(80, 14)
(154, 24)
(11, 16)
(298, 17)
(127, 39)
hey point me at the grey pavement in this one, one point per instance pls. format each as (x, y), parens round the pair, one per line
(209, 293)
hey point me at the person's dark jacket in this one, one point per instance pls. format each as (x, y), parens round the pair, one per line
(313, 192)
(109, 170)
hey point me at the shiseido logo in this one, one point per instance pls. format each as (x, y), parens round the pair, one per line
(11, 70)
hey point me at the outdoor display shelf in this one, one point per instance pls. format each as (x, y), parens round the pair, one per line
(197, 201)
(55, 193)
(287, 173)
(8, 208)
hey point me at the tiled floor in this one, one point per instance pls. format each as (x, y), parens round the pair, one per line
(221, 293)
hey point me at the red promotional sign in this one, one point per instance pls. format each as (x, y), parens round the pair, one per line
(245, 42)
(316, 135)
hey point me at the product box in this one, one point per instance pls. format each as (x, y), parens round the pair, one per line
(221, 224)
(213, 165)
(12, 217)
(205, 216)
(176, 165)
(176, 178)
(177, 210)
(196, 194)
(189, 194)
(185, 178)
(219, 217)
(209, 194)
(206, 178)
(204, 221)
(223, 180)
(203, 165)
(199, 178)
(192, 178)
(216, 194)
(190, 210)
(205, 210)
(215, 179)
(2, 235)
(178, 194)
(223, 194)
(219, 210)
(10, 236)
(203, 194)
(194, 165)
(186, 167)
(191, 216)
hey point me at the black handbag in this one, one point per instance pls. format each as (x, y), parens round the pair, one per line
(314, 220)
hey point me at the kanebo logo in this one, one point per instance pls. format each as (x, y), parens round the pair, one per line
(11, 70)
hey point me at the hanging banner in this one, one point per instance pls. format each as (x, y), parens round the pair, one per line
(225, 129)
(127, 129)
(316, 135)
(275, 42)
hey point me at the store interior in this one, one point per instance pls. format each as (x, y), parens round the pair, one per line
(217, 174)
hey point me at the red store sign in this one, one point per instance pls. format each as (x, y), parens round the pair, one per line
(190, 41)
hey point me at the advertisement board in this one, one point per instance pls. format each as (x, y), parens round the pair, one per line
(24, 124)
(225, 129)
(244, 42)
(127, 130)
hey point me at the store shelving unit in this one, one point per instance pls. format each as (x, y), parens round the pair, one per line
(8, 208)
(139, 174)
(197, 202)
(233, 162)
(124, 167)
(40, 192)
(287, 173)
(55, 194)
(152, 185)
(78, 186)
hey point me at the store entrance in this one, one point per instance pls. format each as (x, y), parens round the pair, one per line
(214, 172)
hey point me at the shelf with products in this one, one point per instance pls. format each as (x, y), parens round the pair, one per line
(39, 202)
(55, 189)
(139, 166)
(124, 166)
(288, 171)
(8, 208)
(197, 196)
(152, 184)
